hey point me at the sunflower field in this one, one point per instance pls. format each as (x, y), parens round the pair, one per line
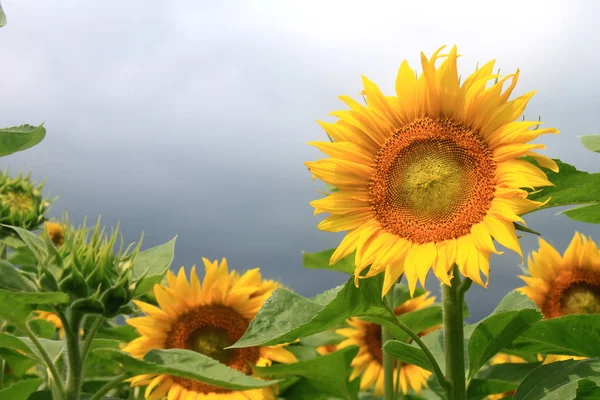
(433, 179)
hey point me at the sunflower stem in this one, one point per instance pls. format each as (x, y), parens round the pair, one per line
(90, 336)
(72, 326)
(58, 384)
(453, 298)
(108, 387)
(388, 359)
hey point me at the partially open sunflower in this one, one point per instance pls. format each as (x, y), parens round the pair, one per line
(368, 363)
(427, 177)
(205, 317)
(568, 284)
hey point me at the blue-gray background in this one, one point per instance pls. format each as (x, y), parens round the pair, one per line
(191, 118)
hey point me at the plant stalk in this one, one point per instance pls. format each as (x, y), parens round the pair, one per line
(388, 359)
(109, 386)
(58, 384)
(453, 298)
(72, 326)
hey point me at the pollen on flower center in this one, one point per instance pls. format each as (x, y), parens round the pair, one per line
(433, 180)
(209, 330)
(581, 299)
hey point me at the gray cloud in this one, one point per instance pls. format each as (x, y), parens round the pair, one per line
(192, 118)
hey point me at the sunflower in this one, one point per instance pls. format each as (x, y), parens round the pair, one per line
(368, 361)
(53, 319)
(568, 284)
(56, 233)
(326, 349)
(205, 317)
(426, 178)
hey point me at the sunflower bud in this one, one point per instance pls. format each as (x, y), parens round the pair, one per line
(21, 203)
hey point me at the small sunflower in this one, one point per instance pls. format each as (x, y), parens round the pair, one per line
(427, 177)
(368, 361)
(568, 284)
(205, 317)
(327, 349)
(53, 319)
(56, 233)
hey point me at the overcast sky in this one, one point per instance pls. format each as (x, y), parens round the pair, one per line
(191, 118)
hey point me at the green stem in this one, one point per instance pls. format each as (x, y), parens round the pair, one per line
(453, 298)
(108, 387)
(90, 336)
(3, 251)
(72, 325)
(49, 363)
(436, 367)
(388, 359)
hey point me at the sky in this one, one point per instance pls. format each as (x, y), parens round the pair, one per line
(192, 118)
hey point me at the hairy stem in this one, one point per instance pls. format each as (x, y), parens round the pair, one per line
(453, 298)
(388, 359)
(72, 325)
(58, 384)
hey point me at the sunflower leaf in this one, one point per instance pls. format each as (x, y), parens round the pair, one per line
(151, 265)
(20, 390)
(572, 187)
(563, 335)
(287, 316)
(19, 138)
(332, 369)
(185, 364)
(15, 307)
(587, 390)
(514, 315)
(320, 260)
(559, 380)
(480, 389)
(406, 353)
(25, 346)
(12, 278)
(508, 372)
(525, 229)
(591, 142)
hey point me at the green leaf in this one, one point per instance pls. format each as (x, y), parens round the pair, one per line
(12, 242)
(26, 347)
(587, 390)
(151, 265)
(563, 335)
(19, 363)
(406, 353)
(124, 333)
(22, 137)
(591, 142)
(42, 328)
(12, 278)
(20, 390)
(508, 372)
(15, 307)
(571, 187)
(587, 213)
(309, 389)
(480, 389)
(558, 380)
(286, 316)
(321, 259)
(496, 332)
(37, 245)
(525, 229)
(332, 370)
(322, 339)
(185, 364)
(99, 368)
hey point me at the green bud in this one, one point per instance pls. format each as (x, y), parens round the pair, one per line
(21, 203)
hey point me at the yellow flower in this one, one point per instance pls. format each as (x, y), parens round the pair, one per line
(205, 317)
(368, 361)
(326, 349)
(502, 358)
(55, 233)
(53, 319)
(426, 178)
(568, 284)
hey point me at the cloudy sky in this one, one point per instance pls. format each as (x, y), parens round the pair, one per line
(191, 118)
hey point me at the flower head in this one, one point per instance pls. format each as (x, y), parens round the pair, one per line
(427, 177)
(205, 317)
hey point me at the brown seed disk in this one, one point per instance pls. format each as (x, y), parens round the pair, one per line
(216, 318)
(433, 180)
(573, 292)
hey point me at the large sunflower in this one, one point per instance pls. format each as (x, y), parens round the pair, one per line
(568, 284)
(205, 317)
(426, 178)
(368, 361)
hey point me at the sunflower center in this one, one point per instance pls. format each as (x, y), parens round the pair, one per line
(373, 341)
(574, 292)
(433, 180)
(20, 202)
(209, 330)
